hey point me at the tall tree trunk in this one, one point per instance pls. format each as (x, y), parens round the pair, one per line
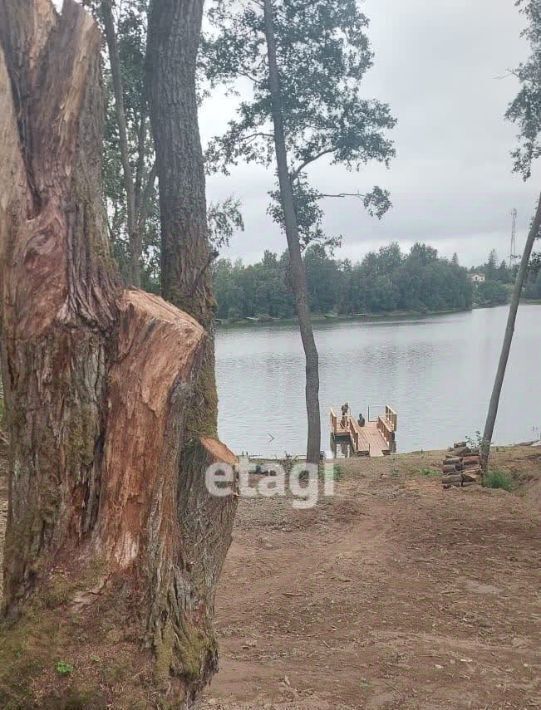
(134, 232)
(297, 269)
(508, 338)
(186, 258)
(113, 544)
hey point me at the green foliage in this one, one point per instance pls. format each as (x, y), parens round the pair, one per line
(224, 218)
(491, 267)
(525, 110)
(491, 293)
(499, 280)
(64, 669)
(532, 288)
(430, 472)
(498, 479)
(389, 280)
(475, 441)
(308, 211)
(383, 282)
(323, 54)
(248, 291)
(338, 472)
(131, 33)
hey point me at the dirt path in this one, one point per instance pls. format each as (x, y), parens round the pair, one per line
(394, 595)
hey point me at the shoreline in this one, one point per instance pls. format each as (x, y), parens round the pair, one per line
(319, 319)
(396, 456)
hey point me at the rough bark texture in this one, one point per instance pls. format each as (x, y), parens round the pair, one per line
(186, 258)
(297, 270)
(111, 532)
(508, 339)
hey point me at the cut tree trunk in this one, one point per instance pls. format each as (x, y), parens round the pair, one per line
(186, 257)
(297, 270)
(494, 404)
(113, 544)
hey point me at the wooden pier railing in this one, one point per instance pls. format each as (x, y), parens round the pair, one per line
(375, 438)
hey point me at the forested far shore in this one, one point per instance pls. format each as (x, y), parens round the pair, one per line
(386, 281)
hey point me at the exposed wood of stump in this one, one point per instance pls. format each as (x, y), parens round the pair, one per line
(113, 544)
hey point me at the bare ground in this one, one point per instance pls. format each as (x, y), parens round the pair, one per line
(393, 594)
(396, 594)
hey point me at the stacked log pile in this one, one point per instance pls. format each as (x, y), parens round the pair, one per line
(461, 466)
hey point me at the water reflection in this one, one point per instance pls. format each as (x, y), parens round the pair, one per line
(436, 372)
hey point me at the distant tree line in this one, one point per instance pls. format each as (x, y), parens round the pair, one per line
(499, 280)
(496, 288)
(532, 289)
(383, 282)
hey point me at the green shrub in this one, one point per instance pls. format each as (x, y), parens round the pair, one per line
(63, 668)
(430, 472)
(498, 479)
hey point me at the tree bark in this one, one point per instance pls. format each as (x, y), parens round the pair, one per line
(508, 339)
(186, 257)
(297, 269)
(113, 544)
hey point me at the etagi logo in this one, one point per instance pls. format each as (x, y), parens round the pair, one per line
(303, 482)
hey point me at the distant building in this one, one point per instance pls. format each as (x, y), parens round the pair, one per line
(477, 278)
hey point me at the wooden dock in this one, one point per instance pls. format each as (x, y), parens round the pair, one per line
(376, 438)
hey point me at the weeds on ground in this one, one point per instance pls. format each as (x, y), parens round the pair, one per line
(430, 472)
(498, 479)
(63, 668)
(338, 472)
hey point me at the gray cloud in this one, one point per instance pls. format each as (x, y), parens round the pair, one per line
(443, 67)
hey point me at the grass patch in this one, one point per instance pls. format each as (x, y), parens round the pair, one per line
(498, 479)
(430, 472)
(337, 472)
(64, 669)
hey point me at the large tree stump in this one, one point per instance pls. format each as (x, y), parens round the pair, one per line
(113, 544)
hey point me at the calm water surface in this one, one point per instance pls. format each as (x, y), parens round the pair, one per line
(436, 372)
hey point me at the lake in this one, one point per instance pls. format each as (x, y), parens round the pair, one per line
(437, 372)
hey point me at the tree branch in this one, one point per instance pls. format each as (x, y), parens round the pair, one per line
(295, 173)
(360, 195)
(253, 136)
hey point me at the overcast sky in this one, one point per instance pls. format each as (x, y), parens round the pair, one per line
(442, 65)
(443, 68)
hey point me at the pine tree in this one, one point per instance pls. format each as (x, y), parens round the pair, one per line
(305, 60)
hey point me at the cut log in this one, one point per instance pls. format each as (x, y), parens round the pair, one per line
(113, 540)
(471, 476)
(471, 461)
(450, 469)
(453, 480)
(452, 460)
